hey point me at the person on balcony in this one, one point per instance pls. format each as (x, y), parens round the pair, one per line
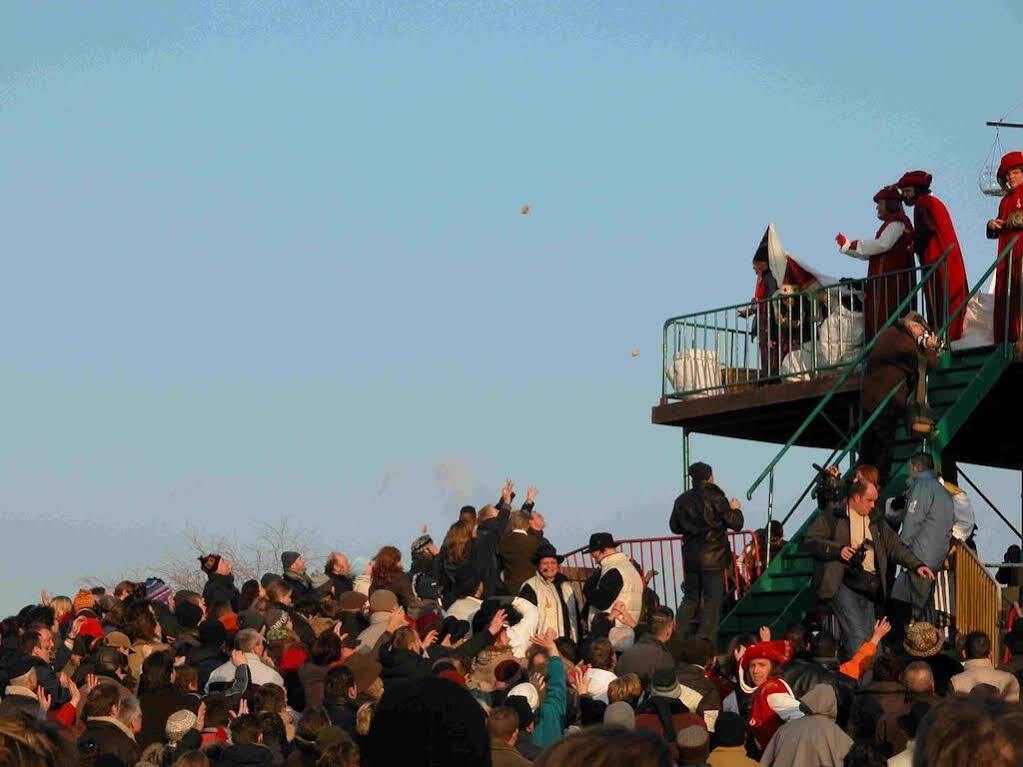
(894, 358)
(889, 253)
(1007, 228)
(926, 522)
(704, 515)
(763, 326)
(853, 554)
(614, 581)
(934, 234)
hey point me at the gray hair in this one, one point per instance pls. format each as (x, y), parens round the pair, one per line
(128, 706)
(247, 640)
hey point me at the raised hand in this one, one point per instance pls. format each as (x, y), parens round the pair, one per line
(841, 239)
(429, 639)
(507, 492)
(91, 680)
(881, 629)
(531, 494)
(498, 623)
(765, 633)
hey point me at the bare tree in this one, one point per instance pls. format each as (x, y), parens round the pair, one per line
(248, 558)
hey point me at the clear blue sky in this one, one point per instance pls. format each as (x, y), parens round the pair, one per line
(265, 259)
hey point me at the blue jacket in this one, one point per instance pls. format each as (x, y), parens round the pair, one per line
(930, 513)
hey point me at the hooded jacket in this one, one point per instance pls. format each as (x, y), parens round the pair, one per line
(929, 516)
(704, 516)
(814, 740)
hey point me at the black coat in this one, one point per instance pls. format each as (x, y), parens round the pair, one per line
(221, 588)
(301, 585)
(829, 534)
(157, 706)
(341, 714)
(249, 755)
(107, 738)
(342, 583)
(893, 358)
(205, 658)
(802, 675)
(704, 516)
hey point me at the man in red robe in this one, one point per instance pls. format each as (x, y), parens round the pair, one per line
(1006, 228)
(934, 234)
(889, 253)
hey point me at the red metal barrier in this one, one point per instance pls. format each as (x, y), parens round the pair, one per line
(660, 560)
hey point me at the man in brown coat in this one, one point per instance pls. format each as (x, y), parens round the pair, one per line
(517, 548)
(503, 727)
(893, 359)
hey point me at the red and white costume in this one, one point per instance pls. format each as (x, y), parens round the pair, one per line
(1008, 272)
(890, 251)
(773, 701)
(934, 234)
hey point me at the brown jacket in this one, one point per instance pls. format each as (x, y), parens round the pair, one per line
(517, 549)
(730, 756)
(503, 755)
(892, 359)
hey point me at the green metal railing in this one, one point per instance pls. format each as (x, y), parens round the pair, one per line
(782, 338)
(849, 369)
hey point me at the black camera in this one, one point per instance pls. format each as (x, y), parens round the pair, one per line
(830, 491)
(855, 562)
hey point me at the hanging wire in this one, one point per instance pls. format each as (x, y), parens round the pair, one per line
(988, 180)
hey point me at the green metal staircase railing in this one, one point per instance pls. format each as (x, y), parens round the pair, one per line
(783, 594)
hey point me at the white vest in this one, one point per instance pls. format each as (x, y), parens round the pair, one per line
(548, 606)
(631, 594)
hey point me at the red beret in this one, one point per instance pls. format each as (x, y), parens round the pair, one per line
(888, 193)
(779, 651)
(919, 178)
(1009, 161)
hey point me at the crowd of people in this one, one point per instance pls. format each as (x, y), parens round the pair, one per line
(480, 650)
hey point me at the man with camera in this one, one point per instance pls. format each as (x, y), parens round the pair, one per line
(853, 555)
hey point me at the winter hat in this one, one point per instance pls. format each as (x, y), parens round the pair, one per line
(730, 729)
(20, 665)
(91, 628)
(364, 668)
(288, 558)
(508, 671)
(157, 591)
(189, 615)
(230, 621)
(209, 563)
(292, 658)
(663, 684)
(419, 545)
(700, 471)
(250, 619)
(620, 714)
(433, 721)
(528, 691)
(621, 638)
(521, 706)
(777, 651)
(922, 640)
(178, 725)
(352, 600)
(693, 741)
(84, 600)
(211, 632)
(382, 601)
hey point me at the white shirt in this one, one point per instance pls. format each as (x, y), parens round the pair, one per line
(867, 248)
(464, 609)
(259, 673)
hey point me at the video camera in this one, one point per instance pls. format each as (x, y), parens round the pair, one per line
(830, 492)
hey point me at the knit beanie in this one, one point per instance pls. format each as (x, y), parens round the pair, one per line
(433, 721)
(288, 558)
(157, 591)
(178, 725)
(84, 600)
(730, 729)
(620, 714)
(209, 563)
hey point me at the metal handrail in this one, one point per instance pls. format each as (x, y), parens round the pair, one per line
(980, 283)
(840, 381)
(712, 332)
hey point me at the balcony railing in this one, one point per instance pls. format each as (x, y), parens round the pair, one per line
(788, 337)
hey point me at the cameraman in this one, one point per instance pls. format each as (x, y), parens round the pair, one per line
(853, 555)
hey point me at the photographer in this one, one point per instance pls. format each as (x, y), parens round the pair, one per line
(853, 555)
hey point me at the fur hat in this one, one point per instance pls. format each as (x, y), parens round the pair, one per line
(923, 640)
(178, 725)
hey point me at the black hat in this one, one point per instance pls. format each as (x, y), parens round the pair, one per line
(288, 558)
(20, 665)
(601, 541)
(212, 632)
(700, 471)
(730, 729)
(209, 563)
(545, 550)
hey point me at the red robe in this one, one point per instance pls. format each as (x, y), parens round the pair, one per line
(883, 296)
(764, 720)
(1014, 262)
(934, 234)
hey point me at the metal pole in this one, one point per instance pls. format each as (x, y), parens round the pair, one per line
(685, 459)
(770, 512)
(989, 503)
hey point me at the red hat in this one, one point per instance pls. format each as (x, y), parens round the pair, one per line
(778, 651)
(888, 193)
(1009, 161)
(91, 628)
(919, 178)
(293, 657)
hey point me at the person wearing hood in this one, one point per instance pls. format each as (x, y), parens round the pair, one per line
(294, 574)
(928, 516)
(220, 581)
(664, 713)
(934, 236)
(772, 701)
(704, 515)
(890, 260)
(551, 593)
(814, 740)
(1007, 228)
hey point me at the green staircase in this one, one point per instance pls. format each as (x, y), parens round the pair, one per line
(783, 594)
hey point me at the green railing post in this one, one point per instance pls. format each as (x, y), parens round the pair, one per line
(770, 512)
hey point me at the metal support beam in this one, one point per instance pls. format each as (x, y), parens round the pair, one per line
(685, 459)
(989, 503)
